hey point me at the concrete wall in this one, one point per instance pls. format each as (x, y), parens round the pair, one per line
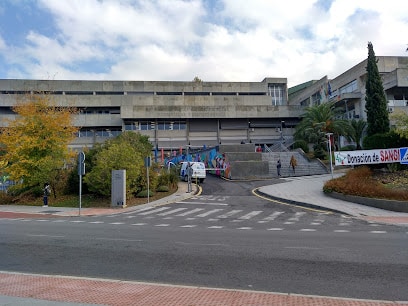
(248, 170)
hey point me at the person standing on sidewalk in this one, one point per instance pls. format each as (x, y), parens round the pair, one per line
(278, 167)
(46, 193)
(293, 163)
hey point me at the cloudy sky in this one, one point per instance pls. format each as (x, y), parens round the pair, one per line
(176, 40)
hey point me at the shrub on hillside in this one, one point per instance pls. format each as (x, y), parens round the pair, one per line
(360, 182)
(383, 141)
(301, 144)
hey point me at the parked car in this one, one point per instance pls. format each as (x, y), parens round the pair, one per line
(198, 171)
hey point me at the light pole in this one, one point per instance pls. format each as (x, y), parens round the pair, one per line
(281, 130)
(345, 103)
(330, 153)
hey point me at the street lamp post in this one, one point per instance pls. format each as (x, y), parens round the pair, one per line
(281, 130)
(330, 152)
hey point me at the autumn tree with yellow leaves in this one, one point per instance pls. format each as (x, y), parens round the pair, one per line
(35, 144)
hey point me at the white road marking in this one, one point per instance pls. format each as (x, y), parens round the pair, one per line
(96, 222)
(162, 225)
(215, 227)
(77, 221)
(275, 229)
(139, 224)
(209, 212)
(153, 211)
(47, 236)
(342, 231)
(120, 239)
(190, 212)
(117, 223)
(171, 211)
(297, 216)
(244, 228)
(307, 230)
(378, 232)
(229, 214)
(250, 215)
(189, 226)
(203, 203)
(273, 216)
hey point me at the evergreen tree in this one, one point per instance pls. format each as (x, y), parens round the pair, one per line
(376, 102)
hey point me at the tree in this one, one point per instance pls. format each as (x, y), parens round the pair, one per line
(197, 80)
(317, 121)
(35, 144)
(376, 102)
(357, 132)
(401, 123)
(127, 151)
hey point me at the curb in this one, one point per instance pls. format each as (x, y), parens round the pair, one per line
(302, 204)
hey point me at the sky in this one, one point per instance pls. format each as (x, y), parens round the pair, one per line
(177, 40)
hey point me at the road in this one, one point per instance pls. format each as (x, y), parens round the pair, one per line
(225, 238)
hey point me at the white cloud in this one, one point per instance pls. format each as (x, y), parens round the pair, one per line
(236, 40)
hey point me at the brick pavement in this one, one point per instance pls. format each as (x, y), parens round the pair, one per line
(116, 292)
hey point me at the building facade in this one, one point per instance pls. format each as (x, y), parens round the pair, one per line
(348, 89)
(178, 114)
(171, 114)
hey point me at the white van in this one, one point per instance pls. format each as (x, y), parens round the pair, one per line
(198, 171)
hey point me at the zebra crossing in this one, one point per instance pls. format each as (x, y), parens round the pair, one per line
(191, 217)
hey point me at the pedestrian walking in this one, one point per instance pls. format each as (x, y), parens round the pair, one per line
(46, 193)
(278, 167)
(293, 163)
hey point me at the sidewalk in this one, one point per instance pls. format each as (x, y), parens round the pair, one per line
(69, 291)
(52, 212)
(29, 289)
(307, 191)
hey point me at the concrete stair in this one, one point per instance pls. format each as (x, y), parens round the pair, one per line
(304, 165)
(245, 163)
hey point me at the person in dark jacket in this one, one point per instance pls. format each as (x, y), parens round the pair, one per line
(46, 193)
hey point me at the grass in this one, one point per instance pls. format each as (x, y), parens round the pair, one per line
(364, 182)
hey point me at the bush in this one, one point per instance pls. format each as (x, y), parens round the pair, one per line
(384, 141)
(301, 144)
(163, 188)
(360, 182)
(348, 148)
(144, 194)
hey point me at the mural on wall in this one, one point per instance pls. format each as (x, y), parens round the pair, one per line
(215, 162)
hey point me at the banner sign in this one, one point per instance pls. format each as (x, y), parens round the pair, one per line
(378, 156)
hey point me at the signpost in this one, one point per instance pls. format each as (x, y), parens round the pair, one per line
(147, 165)
(81, 172)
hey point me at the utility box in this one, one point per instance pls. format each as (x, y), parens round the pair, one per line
(118, 188)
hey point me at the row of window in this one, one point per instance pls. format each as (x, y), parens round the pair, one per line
(121, 93)
(98, 133)
(152, 125)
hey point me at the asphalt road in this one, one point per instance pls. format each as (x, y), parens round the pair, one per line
(295, 250)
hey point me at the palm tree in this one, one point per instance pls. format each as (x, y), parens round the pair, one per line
(317, 121)
(357, 132)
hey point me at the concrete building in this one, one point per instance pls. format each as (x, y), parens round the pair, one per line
(348, 89)
(172, 114)
(177, 114)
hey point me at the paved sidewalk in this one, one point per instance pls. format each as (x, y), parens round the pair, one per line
(308, 191)
(52, 212)
(65, 291)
